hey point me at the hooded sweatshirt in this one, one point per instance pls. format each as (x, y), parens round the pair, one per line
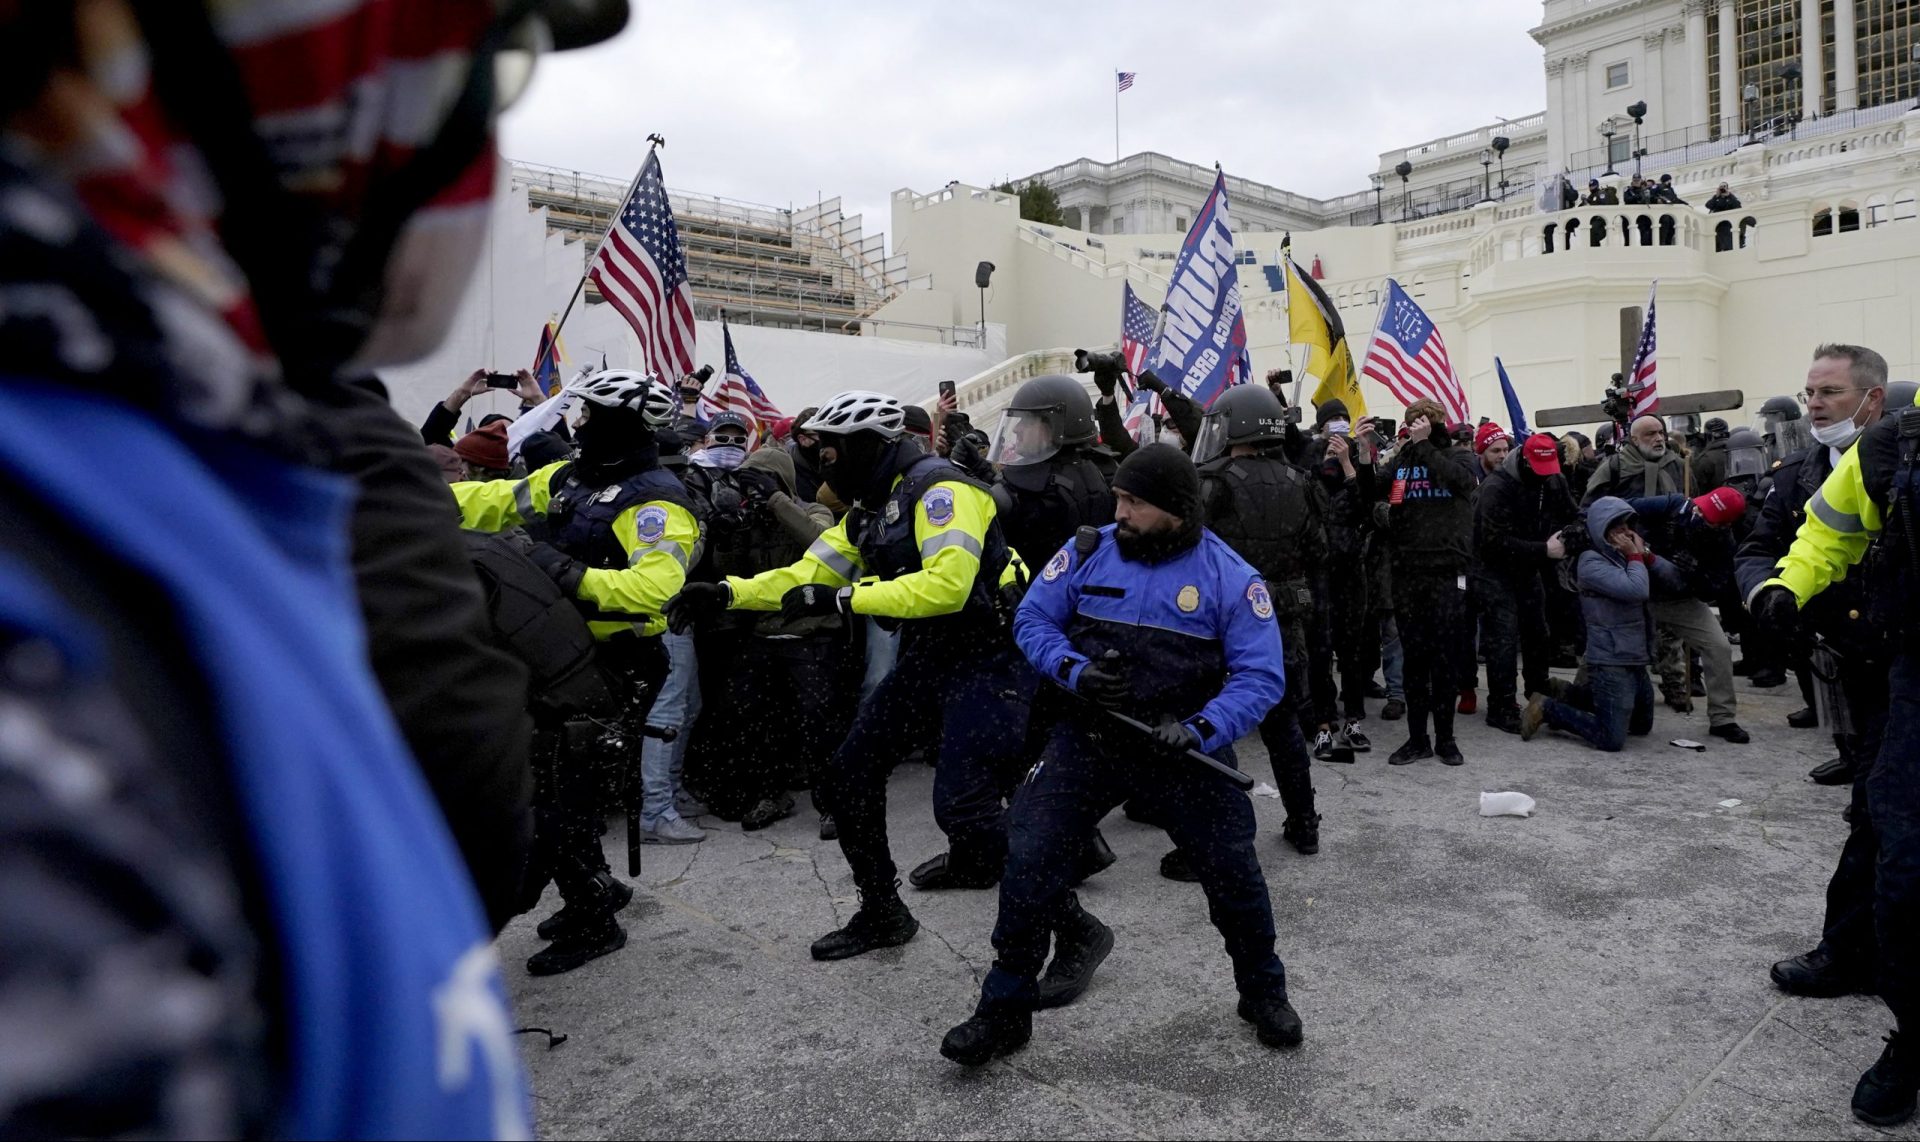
(1430, 507)
(1615, 591)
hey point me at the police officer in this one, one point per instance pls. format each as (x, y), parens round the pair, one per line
(1198, 626)
(1869, 509)
(1845, 390)
(1274, 516)
(926, 552)
(616, 532)
(1051, 478)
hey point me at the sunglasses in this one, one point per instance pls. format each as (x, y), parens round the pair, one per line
(729, 438)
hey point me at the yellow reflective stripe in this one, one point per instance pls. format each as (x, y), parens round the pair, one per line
(666, 545)
(830, 555)
(953, 537)
(1846, 523)
(523, 500)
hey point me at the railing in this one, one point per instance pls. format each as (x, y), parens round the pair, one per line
(1477, 139)
(953, 191)
(1683, 145)
(1034, 235)
(960, 336)
(979, 390)
(1238, 188)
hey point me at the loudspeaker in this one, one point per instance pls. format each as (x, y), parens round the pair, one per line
(982, 274)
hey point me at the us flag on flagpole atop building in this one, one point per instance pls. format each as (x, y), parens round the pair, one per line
(642, 272)
(1126, 79)
(739, 392)
(1409, 356)
(1642, 382)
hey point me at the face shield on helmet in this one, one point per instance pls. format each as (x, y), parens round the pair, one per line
(1024, 436)
(1784, 435)
(1211, 443)
(1747, 455)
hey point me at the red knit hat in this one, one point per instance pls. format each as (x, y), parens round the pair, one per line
(485, 447)
(1722, 506)
(1487, 434)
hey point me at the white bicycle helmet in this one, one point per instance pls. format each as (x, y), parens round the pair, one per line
(630, 388)
(859, 411)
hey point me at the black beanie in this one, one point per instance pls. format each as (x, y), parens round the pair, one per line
(1335, 409)
(1163, 476)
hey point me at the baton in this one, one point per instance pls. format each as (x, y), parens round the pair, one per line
(1244, 781)
(665, 734)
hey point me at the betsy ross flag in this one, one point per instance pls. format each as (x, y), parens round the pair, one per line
(642, 272)
(1642, 382)
(741, 393)
(1126, 80)
(1408, 356)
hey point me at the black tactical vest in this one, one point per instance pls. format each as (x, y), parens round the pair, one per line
(1039, 523)
(580, 517)
(889, 550)
(541, 627)
(1271, 513)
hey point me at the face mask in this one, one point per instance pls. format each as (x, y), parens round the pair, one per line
(1840, 433)
(727, 456)
(1338, 428)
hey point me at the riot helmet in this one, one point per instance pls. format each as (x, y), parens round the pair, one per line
(1901, 394)
(1746, 453)
(1780, 423)
(1244, 414)
(1046, 414)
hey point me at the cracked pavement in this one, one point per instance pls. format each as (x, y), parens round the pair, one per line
(1598, 970)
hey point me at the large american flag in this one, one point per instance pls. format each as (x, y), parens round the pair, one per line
(641, 270)
(1641, 380)
(739, 392)
(1126, 79)
(1409, 357)
(1137, 320)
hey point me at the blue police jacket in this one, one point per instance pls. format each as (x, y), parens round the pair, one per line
(1196, 633)
(395, 1020)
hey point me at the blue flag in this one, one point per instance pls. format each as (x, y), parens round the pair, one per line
(1519, 415)
(1203, 337)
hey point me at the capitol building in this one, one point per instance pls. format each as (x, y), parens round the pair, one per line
(1808, 110)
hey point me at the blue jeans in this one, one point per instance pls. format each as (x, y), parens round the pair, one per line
(883, 649)
(1616, 701)
(661, 763)
(1393, 660)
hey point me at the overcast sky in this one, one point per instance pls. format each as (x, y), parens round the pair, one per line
(777, 103)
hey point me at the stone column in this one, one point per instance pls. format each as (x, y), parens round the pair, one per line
(1560, 143)
(1584, 123)
(1730, 103)
(1696, 41)
(1656, 88)
(1813, 71)
(1846, 68)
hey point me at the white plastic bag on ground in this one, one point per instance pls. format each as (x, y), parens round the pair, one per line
(1506, 805)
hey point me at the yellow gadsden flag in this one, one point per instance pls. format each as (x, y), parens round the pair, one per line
(1312, 320)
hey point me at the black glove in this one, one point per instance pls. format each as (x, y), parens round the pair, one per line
(695, 602)
(1175, 735)
(970, 455)
(1105, 380)
(1105, 685)
(1151, 383)
(814, 599)
(563, 569)
(1776, 610)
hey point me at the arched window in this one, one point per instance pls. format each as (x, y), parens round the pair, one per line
(1666, 229)
(1546, 239)
(1597, 233)
(1646, 230)
(1822, 223)
(1746, 225)
(1723, 237)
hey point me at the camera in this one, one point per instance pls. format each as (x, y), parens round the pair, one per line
(698, 378)
(1616, 404)
(502, 381)
(1109, 362)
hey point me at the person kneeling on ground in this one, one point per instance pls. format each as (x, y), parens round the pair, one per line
(1615, 578)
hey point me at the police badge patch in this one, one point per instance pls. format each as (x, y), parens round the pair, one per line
(1056, 566)
(939, 505)
(651, 523)
(1188, 600)
(893, 511)
(1262, 602)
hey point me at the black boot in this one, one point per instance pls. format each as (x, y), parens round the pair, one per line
(882, 922)
(944, 871)
(1803, 719)
(1838, 771)
(614, 895)
(1885, 1094)
(990, 1033)
(1303, 833)
(1819, 976)
(1176, 866)
(572, 949)
(1096, 858)
(1081, 943)
(1274, 1020)
(829, 830)
(767, 811)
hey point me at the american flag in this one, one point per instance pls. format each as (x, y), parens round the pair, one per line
(641, 270)
(1126, 80)
(1136, 331)
(740, 392)
(1641, 381)
(1409, 357)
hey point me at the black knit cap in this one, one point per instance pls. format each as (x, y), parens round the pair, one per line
(1334, 409)
(1163, 476)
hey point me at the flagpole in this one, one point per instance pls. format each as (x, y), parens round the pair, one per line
(1116, 114)
(653, 142)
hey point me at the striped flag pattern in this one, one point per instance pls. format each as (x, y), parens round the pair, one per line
(1137, 326)
(740, 392)
(642, 272)
(1642, 382)
(1409, 356)
(1126, 80)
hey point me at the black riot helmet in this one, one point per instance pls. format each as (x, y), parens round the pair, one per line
(1747, 453)
(1782, 425)
(1046, 414)
(1244, 414)
(1785, 408)
(1901, 394)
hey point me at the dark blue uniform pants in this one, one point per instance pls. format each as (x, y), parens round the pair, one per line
(1848, 933)
(964, 693)
(1893, 799)
(1078, 782)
